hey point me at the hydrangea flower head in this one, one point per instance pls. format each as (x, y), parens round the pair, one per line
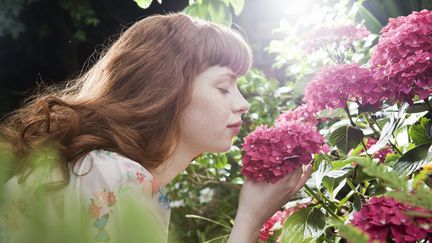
(299, 114)
(333, 85)
(341, 35)
(277, 221)
(385, 218)
(402, 60)
(271, 153)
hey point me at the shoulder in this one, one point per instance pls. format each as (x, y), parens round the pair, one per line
(111, 170)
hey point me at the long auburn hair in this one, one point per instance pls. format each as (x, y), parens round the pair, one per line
(131, 100)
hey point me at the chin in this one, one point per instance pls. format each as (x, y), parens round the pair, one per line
(221, 149)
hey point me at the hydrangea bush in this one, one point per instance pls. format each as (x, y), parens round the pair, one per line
(370, 186)
(358, 110)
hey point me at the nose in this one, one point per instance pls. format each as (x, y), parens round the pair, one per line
(241, 105)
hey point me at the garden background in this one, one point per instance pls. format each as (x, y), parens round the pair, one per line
(324, 54)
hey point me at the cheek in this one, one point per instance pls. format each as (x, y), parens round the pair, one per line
(208, 112)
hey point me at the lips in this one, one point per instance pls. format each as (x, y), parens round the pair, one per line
(235, 125)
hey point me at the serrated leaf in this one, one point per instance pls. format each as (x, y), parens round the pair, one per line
(350, 232)
(418, 132)
(414, 159)
(421, 197)
(143, 3)
(346, 138)
(382, 172)
(306, 224)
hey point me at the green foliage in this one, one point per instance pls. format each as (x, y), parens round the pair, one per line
(421, 197)
(414, 159)
(350, 232)
(82, 16)
(419, 133)
(10, 23)
(143, 3)
(80, 13)
(382, 172)
(371, 22)
(346, 138)
(304, 225)
(218, 11)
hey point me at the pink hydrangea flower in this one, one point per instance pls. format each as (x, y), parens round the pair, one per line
(277, 221)
(382, 153)
(385, 218)
(273, 224)
(402, 60)
(299, 114)
(335, 84)
(340, 35)
(272, 153)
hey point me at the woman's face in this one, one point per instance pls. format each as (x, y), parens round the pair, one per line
(213, 117)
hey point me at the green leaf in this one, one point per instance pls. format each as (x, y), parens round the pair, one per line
(418, 132)
(306, 224)
(219, 13)
(388, 129)
(197, 10)
(421, 197)
(346, 138)
(143, 3)
(318, 175)
(417, 108)
(350, 232)
(371, 22)
(333, 185)
(237, 6)
(382, 172)
(414, 159)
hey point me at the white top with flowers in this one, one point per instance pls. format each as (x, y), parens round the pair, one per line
(99, 182)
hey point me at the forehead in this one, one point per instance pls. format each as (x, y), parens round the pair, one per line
(215, 73)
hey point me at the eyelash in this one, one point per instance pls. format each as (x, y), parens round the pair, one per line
(223, 91)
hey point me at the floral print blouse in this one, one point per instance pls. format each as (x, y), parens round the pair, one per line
(98, 182)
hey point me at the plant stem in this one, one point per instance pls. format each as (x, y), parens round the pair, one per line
(349, 116)
(428, 105)
(351, 185)
(326, 208)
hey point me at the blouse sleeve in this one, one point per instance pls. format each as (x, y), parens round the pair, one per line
(108, 185)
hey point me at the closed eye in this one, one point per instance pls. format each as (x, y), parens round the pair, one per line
(223, 91)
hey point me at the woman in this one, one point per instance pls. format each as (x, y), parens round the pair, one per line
(161, 95)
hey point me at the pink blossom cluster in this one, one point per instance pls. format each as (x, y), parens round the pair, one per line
(299, 114)
(402, 60)
(271, 153)
(342, 35)
(273, 224)
(335, 84)
(385, 218)
(277, 221)
(382, 153)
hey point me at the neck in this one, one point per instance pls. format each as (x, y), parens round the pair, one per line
(173, 166)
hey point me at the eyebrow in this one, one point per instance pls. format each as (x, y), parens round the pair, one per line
(230, 75)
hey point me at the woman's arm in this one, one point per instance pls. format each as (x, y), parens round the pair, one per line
(259, 201)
